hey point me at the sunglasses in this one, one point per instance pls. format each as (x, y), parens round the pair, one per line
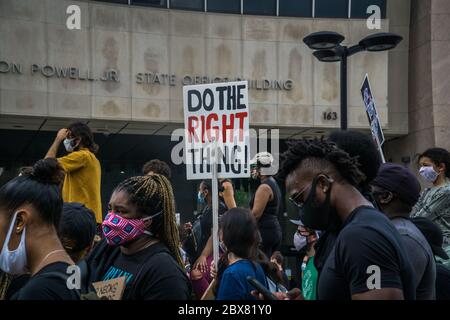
(294, 199)
(296, 196)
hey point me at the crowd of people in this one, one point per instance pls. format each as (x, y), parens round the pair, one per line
(365, 230)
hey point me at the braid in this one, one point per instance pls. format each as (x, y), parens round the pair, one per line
(323, 153)
(171, 235)
(152, 194)
(5, 281)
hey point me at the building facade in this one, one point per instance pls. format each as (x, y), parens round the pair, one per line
(127, 64)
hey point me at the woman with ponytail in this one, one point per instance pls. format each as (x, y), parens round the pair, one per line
(31, 253)
(141, 242)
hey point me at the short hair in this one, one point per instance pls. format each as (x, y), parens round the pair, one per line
(438, 156)
(77, 224)
(157, 166)
(278, 257)
(82, 131)
(362, 146)
(320, 154)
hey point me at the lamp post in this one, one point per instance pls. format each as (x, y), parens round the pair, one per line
(328, 48)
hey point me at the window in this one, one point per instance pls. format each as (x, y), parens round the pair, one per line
(197, 5)
(227, 6)
(359, 8)
(260, 7)
(295, 8)
(151, 3)
(332, 8)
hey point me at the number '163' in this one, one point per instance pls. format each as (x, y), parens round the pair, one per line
(330, 116)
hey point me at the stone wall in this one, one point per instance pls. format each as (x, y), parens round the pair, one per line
(137, 40)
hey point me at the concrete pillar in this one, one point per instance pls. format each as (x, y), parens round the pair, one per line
(429, 81)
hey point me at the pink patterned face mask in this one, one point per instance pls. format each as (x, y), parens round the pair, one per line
(118, 230)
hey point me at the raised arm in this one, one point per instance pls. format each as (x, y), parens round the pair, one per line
(228, 195)
(60, 136)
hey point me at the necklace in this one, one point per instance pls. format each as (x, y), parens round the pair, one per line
(46, 257)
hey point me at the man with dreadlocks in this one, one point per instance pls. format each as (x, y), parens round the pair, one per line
(141, 242)
(367, 260)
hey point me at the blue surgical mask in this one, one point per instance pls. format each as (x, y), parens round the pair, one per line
(200, 198)
(429, 174)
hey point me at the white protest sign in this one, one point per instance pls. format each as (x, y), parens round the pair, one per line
(372, 115)
(217, 138)
(216, 117)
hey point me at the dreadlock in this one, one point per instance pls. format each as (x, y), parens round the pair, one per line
(324, 154)
(361, 145)
(152, 194)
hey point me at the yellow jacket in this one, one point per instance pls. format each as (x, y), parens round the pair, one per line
(82, 181)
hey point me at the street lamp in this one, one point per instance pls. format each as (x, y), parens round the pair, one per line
(328, 48)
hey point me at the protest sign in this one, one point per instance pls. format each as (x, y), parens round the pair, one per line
(372, 115)
(216, 117)
(110, 289)
(217, 139)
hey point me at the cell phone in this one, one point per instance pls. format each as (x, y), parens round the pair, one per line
(261, 289)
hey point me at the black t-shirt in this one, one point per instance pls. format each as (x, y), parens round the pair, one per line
(50, 283)
(152, 274)
(367, 238)
(17, 283)
(328, 238)
(442, 282)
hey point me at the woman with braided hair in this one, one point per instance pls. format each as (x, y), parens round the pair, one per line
(141, 242)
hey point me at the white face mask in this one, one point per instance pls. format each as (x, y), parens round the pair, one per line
(299, 241)
(429, 174)
(14, 262)
(68, 144)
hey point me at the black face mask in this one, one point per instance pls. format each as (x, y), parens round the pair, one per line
(319, 216)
